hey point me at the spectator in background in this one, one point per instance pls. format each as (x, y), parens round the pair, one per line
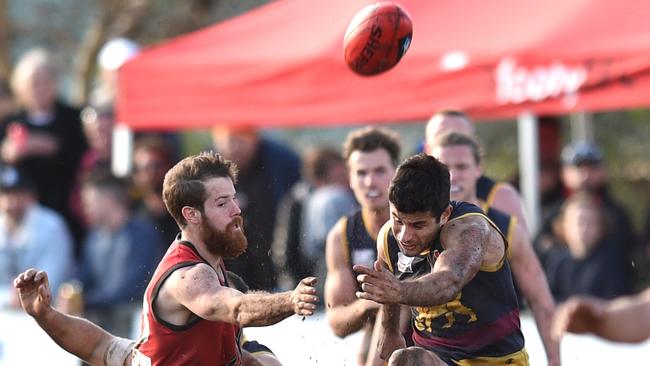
(329, 199)
(152, 158)
(98, 121)
(288, 259)
(267, 171)
(45, 138)
(111, 57)
(31, 235)
(119, 254)
(583, 169)
(98, 127)
(582, 261)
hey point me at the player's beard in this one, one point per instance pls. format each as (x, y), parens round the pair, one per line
(228, 243)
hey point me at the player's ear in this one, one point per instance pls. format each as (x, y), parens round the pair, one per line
(191, 215)
(445, 215)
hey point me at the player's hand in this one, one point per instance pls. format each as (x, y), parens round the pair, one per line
(577, 315)
(378, 284)
(388, 343)
(304, 298)
(34, 292)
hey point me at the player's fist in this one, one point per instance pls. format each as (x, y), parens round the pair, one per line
(304, 298)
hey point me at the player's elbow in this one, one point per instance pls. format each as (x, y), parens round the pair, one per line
(239, 316)
(231, 313)
(450, 291)
(339, 331)
(339, 328)
(448, 294)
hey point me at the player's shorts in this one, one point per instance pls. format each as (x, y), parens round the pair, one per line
(254, 347)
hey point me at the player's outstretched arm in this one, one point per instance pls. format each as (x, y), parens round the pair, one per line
(625, 319)
(78, 336)
(345, 313)
(530, 277)
(466, 242)
(199, 290)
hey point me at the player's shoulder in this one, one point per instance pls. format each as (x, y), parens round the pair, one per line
(465, 216)
(337, 232)
(193, 273)
(461, 209)
(506, 190)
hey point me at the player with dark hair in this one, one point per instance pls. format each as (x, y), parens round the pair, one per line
(447, 261)
(371, 155)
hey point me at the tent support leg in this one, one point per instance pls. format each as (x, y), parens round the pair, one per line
(527, 130)
(581, 127)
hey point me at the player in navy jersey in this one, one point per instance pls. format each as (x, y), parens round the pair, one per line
(462, 156)
(371, 155)
(447, 261)
(499, 195)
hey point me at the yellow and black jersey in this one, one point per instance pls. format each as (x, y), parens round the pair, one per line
(504, 222)
(480, 326)
(486, 188)
(361, 247)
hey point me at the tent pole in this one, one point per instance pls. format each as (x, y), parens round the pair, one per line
(582, 127)
(527, 130)
(121, 150)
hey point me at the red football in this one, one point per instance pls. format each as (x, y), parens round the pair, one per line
(377, 38)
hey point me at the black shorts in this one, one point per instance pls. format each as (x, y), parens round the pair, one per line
(254, 347)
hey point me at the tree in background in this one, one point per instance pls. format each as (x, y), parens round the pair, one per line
(77, 29)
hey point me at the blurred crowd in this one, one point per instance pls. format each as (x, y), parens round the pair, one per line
(99, 236)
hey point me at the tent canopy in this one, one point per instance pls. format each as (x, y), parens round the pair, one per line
(282, 65)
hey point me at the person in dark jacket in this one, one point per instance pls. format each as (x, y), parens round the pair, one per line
(583, 261)
(45, 138)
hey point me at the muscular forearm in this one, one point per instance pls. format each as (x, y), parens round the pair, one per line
(390, 336)
(390, 319)
(543, 314)
(257, 309)
(350, 318)
(532, 282)
(430, 290)
(76, 335)
(625, 320)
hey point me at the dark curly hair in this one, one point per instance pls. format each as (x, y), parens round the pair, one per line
(421, 184)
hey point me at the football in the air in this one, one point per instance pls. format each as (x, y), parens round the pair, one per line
(377, 38)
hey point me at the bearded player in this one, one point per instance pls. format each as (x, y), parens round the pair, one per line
(190, 315)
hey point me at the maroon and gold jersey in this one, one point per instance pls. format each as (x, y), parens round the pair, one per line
(480, 326)
(200, 342)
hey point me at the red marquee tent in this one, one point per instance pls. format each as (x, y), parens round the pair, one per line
(282, 65)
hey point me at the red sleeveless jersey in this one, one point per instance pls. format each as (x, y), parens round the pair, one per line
(198, 343)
